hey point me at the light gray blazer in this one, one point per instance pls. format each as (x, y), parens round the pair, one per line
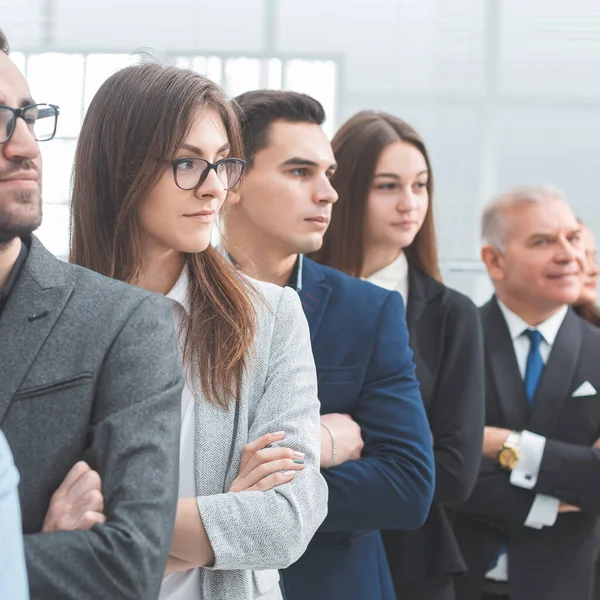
(90, 370)
(255, 533)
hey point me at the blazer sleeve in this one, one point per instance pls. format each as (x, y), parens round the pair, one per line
(391, 486)
(496, 502)
(571, 473)
(458, 409)
(134, 445)
(271, 530)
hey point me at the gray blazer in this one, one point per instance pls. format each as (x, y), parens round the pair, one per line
(90, 370)
(255, 533)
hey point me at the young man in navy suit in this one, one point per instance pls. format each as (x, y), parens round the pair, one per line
(367, 384)
(530, 530)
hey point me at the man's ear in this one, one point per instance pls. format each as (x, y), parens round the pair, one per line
(492, 259)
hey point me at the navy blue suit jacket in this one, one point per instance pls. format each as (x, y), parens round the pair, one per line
(365, 368)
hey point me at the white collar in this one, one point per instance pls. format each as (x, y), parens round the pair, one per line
(179, 293)
(297, 271)
(393, 275)
(549, 328)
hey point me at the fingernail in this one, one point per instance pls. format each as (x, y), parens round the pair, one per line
(299, 462)
(279, 433)
(299, 454)
(287, 473)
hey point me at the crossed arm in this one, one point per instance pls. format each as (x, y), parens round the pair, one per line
(134, 424)
(78, 503)
(264, 482)
(567, 472)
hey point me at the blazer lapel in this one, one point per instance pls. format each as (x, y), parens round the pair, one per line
(504, 368)
(34, 305)
(425, 319)
(417, 298)
(314, 294)
(422, 290)
(555, 385)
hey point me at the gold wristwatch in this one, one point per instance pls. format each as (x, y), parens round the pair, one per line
(509, 455)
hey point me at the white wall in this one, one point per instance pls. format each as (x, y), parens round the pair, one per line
(503, 91)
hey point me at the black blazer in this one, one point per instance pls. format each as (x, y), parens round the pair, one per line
(447, 341)
(556, 562)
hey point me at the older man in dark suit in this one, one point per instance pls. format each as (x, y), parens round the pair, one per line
(530, 529)
(90, 392)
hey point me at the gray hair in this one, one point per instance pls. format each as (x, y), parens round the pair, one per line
(494, 226)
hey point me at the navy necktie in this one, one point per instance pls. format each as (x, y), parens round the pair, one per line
(535, 364)
(533, 374)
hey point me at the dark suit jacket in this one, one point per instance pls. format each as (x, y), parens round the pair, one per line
(90, 370)
(447, 341)
(365, 368)
(556, 562)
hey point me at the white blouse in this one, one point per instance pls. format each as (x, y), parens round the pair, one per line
(393, 277)
(185, 585)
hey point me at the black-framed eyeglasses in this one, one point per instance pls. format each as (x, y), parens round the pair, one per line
(191, 173)
(41, 120)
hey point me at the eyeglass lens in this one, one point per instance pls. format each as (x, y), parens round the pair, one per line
(193, 172)
(41, 121)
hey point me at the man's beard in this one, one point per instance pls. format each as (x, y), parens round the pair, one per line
(12, 226)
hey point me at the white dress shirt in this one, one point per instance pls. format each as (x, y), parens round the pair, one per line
(544, 509)
(393, 277)
(185, 585)
(13, 574)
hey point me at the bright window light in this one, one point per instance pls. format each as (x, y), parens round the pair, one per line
(275, 74)
(241, 75)
(318, 79)
(19, 59)
(100, 67)
(58, 79)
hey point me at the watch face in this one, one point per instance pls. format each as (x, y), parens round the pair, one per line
(508, 458)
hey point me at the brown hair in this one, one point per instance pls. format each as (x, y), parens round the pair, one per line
(261, 108)
(589, 313)
(140, 117)
(357, 147)
(4, 47)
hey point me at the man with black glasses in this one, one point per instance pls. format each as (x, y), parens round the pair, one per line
(90, 392)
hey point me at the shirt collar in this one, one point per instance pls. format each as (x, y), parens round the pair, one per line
(549, 328)
(390, 277)
(296, 276)
(295, 280)
(179, 293)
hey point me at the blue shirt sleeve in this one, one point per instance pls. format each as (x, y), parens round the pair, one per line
(13, 575)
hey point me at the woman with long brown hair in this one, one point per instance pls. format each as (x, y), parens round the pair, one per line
(157, 153)
(382, 229)
(586, 306)
(588, 309)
